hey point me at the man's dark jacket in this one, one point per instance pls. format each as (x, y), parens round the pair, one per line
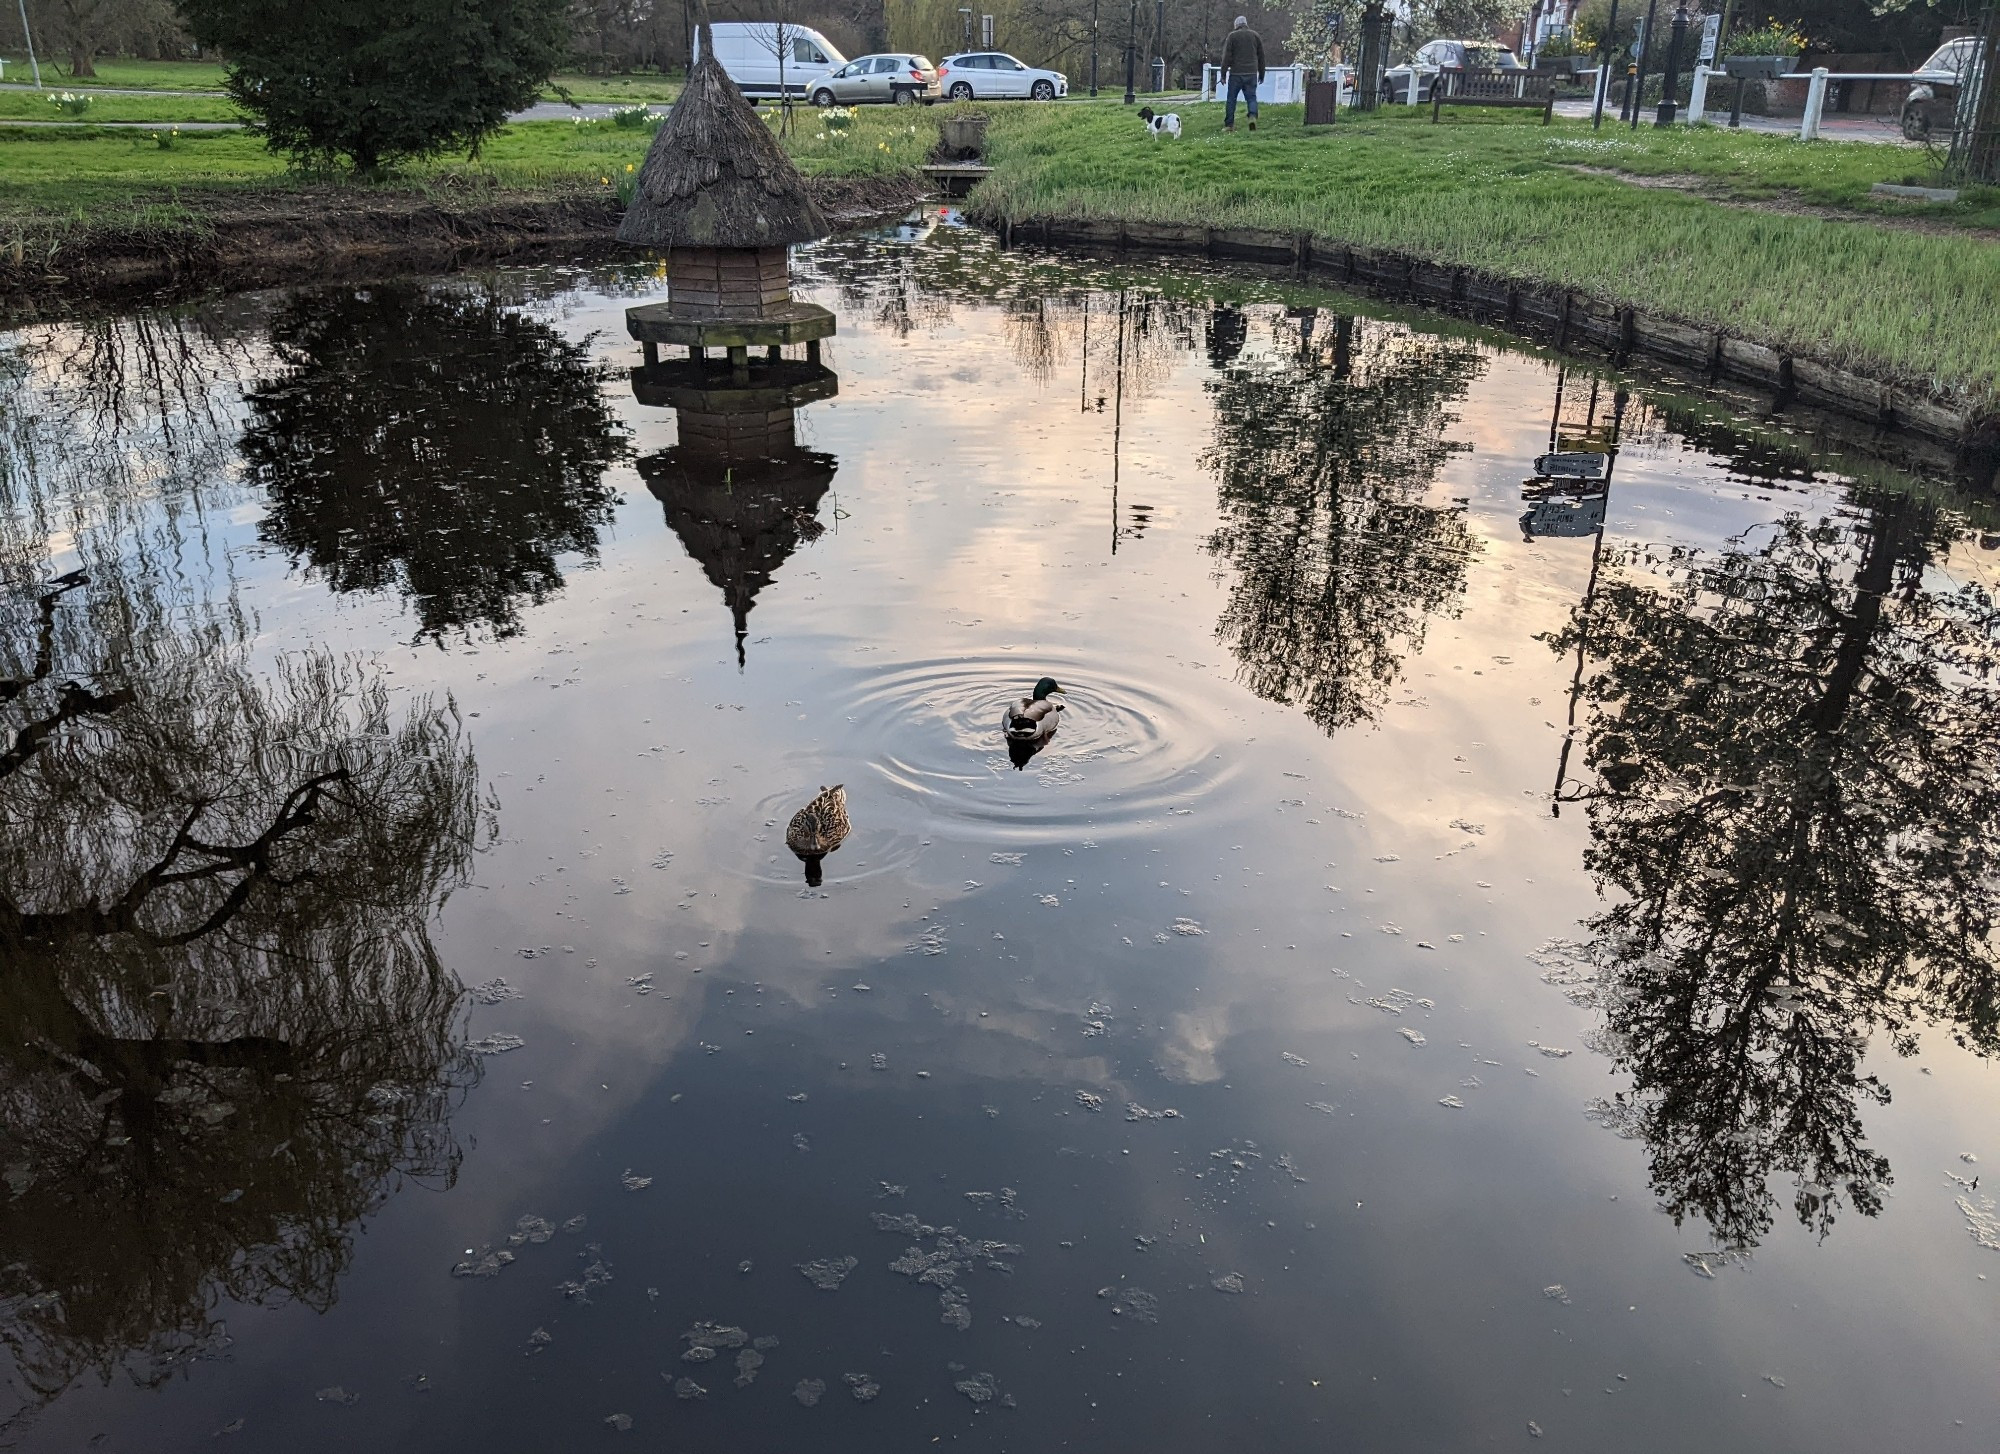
(1243, 53)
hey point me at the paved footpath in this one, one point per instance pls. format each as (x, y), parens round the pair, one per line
(1833, 125)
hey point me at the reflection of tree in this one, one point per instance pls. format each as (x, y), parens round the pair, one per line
(1800, 797)
(223, 1030)
(434, 442)
(1326, 457)
(112, 421)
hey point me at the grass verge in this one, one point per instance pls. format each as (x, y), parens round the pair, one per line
(129, 75)
(119, 75)
(37, 106)
(89, 211)
(1515, 200)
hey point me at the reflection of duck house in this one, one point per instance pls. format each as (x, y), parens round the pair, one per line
(739, 491)
(720, 197)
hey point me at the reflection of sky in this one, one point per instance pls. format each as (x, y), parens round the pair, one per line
(1395, 1294)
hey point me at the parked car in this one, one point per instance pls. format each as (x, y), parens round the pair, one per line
(1439, 55)
(991, 75)
(902, 78)
(749, 50)
(1931, 108)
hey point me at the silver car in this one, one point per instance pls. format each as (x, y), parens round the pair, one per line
(901, 78)
(988, 75)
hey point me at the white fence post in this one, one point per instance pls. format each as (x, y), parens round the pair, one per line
(1698, 96)
(1815, 100)
(1207, 81)
(1411, 98)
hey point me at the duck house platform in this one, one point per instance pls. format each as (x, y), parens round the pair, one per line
(696, 329)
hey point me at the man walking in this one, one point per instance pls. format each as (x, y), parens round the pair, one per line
(1243, 64)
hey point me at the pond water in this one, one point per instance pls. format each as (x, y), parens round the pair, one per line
(1477, 963)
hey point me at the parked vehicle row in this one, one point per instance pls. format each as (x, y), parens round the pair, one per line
(768, 60)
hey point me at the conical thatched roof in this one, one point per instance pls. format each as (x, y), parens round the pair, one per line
(716, 177)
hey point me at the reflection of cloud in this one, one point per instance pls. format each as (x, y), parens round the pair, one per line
(1193, 1053)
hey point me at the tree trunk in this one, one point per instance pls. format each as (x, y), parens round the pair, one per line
(80, 67)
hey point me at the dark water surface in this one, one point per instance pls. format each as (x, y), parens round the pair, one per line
(416, 1034)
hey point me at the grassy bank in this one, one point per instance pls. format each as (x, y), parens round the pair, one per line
(84, 174)
(95, 212)
(1775, 241)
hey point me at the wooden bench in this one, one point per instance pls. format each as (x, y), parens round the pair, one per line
(1455, 86)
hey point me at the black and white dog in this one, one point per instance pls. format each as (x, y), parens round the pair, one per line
(1158, 126)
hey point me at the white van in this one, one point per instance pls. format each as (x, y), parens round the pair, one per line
(748, 51)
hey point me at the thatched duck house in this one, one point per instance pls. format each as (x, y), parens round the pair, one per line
(719, 196)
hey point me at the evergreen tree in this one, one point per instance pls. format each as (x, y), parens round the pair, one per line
(378, 81)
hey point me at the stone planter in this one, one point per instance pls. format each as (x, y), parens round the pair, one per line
(962, 138)
(1759, 68)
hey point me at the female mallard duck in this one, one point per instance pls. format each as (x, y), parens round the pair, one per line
(818, 828)
(1032, 718)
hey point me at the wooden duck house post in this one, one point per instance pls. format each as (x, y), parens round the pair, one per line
(719, 196)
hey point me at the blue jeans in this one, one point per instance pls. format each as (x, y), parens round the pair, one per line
(1246, 87)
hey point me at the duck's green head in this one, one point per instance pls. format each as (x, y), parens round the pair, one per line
(1044, 687)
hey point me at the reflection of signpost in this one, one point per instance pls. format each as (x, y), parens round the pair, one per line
(1711, 31)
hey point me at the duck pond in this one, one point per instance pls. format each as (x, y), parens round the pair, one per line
(1499, 947)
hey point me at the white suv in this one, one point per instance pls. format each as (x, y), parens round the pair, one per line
(990, 75)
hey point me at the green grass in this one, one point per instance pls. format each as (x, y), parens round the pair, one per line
(120, 74)
(29, 106)
(207, 76)
(615, 89)
(1507, 196)
(61, 182)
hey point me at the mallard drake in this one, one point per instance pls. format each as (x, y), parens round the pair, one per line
(1033, 718)
(817, 829)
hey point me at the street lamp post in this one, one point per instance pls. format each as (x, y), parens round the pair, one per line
(965, 19)
(1160, 40)
(1671, 80)
(1607, 48)
(1636, 88)
(1131, 38)
(1093, 47)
